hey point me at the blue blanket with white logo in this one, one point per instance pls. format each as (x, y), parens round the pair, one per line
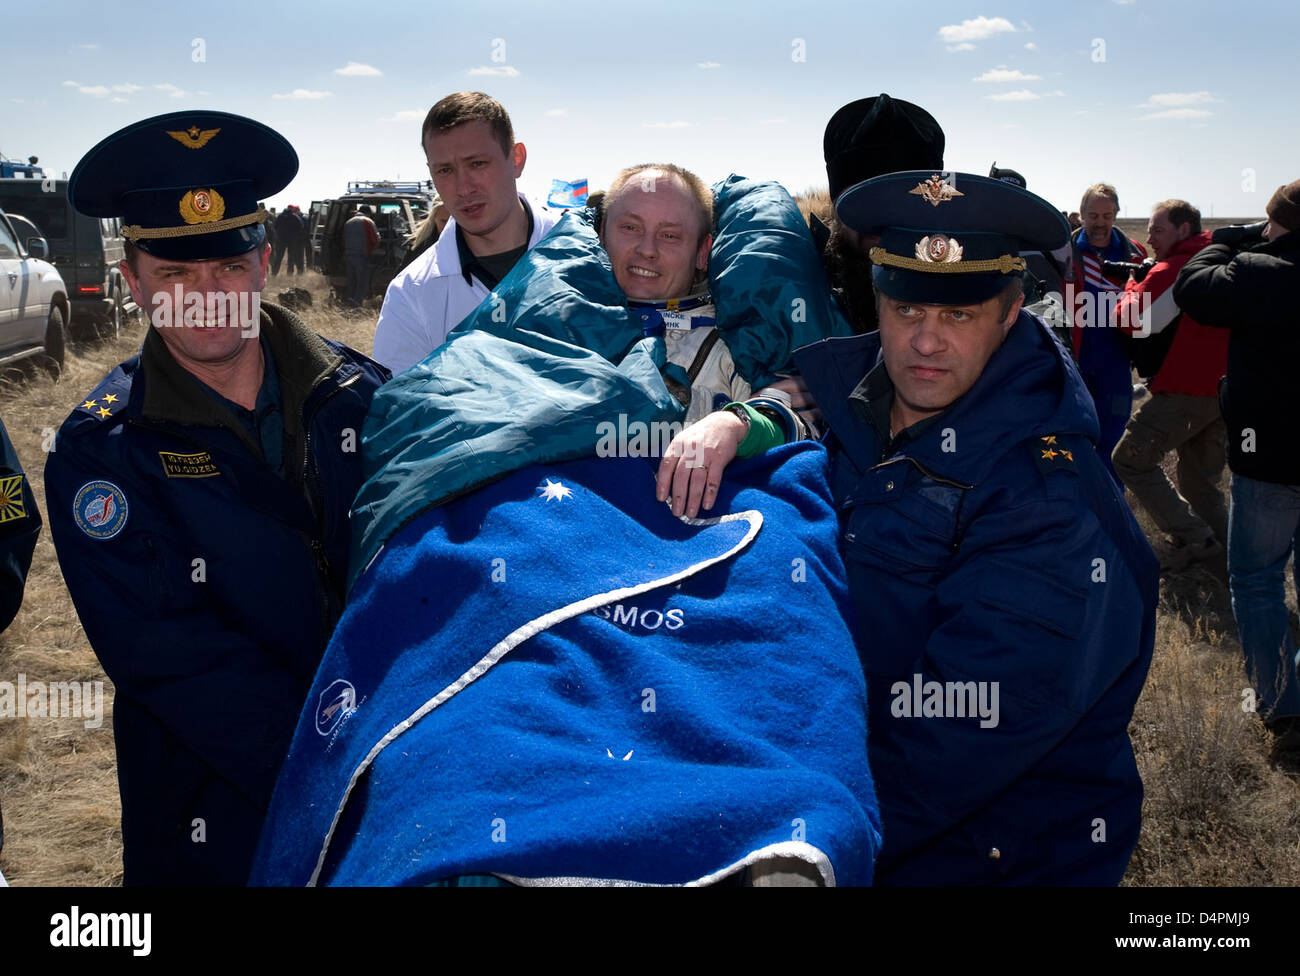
(552, 679)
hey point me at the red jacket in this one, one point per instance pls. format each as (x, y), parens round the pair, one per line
(1198, 356)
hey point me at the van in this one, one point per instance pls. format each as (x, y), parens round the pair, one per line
(86, 250)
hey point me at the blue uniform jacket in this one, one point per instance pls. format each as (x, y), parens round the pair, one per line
(995, 550)
(208, 585)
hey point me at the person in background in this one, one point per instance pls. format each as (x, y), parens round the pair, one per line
(1182, 412)
(360, 238)
(1246, 281)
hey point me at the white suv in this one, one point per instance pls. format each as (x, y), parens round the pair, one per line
(33, 301)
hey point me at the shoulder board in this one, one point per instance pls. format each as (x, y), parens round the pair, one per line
(104, 402)
(1054, 453)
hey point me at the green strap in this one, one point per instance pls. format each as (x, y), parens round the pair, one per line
(763, 433)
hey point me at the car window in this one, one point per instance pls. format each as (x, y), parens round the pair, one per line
(8, 246)
(48, 211)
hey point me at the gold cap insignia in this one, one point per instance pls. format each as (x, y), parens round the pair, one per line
(193, 137)
(935, 191)
(202, 206)
(938, 249)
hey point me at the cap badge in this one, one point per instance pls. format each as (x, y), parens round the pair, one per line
(202, 206)
(193, 137)
(935, 190)
(938, 249)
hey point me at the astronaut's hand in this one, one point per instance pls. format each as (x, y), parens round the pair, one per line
(692, 466)
(800, 399)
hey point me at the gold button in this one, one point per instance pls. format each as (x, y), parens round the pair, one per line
(994, 853)
(889, 486)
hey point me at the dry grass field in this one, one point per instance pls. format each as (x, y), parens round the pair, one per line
(1218, 810)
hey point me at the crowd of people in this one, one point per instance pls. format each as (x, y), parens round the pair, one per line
(226, 500)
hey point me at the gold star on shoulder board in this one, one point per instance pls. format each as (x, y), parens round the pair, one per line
(104, 412)
(111, 398)
(1067, 455)
(1049, 454)
(90, 404)
(1048, 440)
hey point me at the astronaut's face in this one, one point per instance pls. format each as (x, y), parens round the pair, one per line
(653, 236)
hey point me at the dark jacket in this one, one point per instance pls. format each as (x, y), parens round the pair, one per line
(207, 584)
(994, 548)
(20, 524)
(1253, 293)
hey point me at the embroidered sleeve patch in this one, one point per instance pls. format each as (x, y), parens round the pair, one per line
(100, 509)
(188, 465)
(12, 505)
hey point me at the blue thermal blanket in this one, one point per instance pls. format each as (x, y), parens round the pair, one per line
(551, 678)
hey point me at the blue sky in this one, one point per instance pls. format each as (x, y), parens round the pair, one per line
(1160, 98)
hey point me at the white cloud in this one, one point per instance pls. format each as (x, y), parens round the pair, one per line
(1053, 94)
(405, 115)
(95, 91)
(171, 90)
(88, 47)
(127, 89)
(1031, 46)
(355, 69)
(1019, 95)
(116, 98)
(1002, 73)
(979, 29)
(709, 65)
(961, 47)
(504, 71)
(1177, 113)
(303, 94)
(1177, 99)
(677, 124)
(556, 113)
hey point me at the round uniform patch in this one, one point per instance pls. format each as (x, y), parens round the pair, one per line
(100, 509)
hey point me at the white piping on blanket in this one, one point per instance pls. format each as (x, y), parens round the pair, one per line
(521, 634)
(787, 848)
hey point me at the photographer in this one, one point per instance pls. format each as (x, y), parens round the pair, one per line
(1182, 413)
(1249, 287)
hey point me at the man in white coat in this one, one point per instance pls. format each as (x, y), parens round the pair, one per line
(474, 161)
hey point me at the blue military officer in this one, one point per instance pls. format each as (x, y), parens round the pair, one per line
(1005, 597)
(199, 496)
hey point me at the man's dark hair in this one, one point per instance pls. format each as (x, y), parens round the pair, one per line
(849, 271)
(1179, 212)
(1008, 296)
(462, 107)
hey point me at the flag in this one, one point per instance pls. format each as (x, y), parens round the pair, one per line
(564, 195)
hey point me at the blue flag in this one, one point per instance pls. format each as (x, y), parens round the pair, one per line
(564, 195)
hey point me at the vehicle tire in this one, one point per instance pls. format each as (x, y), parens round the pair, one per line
(56, 342)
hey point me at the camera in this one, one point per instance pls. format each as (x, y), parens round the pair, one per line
(1240, 235)
(1122, 269)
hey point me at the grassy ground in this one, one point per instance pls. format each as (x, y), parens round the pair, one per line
(1218, 811)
